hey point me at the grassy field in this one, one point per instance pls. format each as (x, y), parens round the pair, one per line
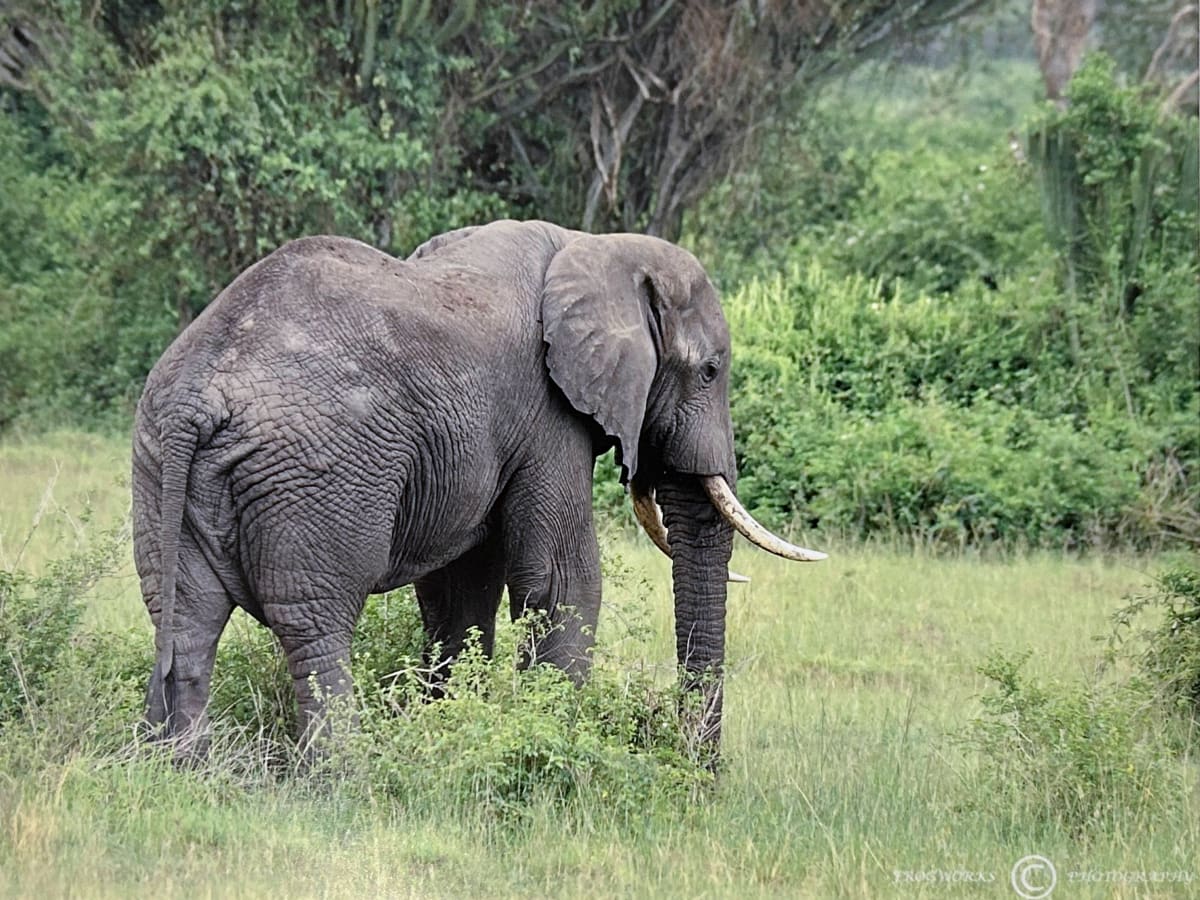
(841, 775)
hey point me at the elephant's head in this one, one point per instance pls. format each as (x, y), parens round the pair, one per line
(637, 341)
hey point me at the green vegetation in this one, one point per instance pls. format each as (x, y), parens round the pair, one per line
(936, 338)
(966, 354)
(926, 356)
(1167, 654)
(862, 739)
(1083, 757)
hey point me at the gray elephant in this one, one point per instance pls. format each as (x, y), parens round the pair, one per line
(339, 422)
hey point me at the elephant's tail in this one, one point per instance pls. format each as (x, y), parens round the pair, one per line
(179, 442)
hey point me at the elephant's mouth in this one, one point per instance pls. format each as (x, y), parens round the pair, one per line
(723, 499)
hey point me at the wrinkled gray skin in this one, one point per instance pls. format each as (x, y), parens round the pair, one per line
(339, 422)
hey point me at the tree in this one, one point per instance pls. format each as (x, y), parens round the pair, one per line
(1060, 31)
(1150, 40)
(649, 104)
(616, 114)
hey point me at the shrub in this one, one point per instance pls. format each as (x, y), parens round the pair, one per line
(503, 741)
(65, 689)
(938, 221)
(1119, 186)
(157, 160)
(39, 621)
(952, 476)
(908, 176)
(957, 419)
(252, 691)
(1081, 756)
(1167, 652)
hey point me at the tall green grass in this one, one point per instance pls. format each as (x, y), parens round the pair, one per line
(849, 684)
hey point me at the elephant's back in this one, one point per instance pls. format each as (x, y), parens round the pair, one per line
(328, 328)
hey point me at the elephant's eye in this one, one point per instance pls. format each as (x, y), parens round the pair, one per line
(709, 369)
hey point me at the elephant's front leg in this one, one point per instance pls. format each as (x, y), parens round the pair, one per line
(554, 564)
(456, 598)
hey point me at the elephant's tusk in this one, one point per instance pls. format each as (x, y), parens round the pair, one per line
(649, 516)
(727, 504)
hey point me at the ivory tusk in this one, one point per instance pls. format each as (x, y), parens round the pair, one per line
(649, 516)
(727, 504)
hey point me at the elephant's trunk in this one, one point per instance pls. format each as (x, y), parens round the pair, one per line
(649, 516)
(701, 542)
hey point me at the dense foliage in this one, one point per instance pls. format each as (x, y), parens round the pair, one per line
(928, 363)
(948, 325)
(163, 154)
(1167, 651)
(1083, 756)
(40, 616)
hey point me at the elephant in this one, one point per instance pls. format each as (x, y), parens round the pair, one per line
(340, 422)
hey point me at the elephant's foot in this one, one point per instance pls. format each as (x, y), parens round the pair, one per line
(327, 711)
(176, 718)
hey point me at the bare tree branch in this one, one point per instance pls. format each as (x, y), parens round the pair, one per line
(661, 99)
(1060, 30)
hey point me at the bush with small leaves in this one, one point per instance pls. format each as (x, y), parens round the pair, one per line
(40, 616)
(502, 741)
(1084, 757)
(1166, 651)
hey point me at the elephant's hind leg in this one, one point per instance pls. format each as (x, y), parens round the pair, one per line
(177, 702)
(319, 661)
(310, 563)
(456, 598)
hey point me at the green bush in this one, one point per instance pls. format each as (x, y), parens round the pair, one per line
(66, 689)
(39, 622)
(1088, 755)
(901, 174)
(1083, 757)
(937, 221)
(1120, 187)
(945, 475)
(152, 167)
(252, 693)
(499, 743)
(957, 419)
(1166, 652)
(502, 741)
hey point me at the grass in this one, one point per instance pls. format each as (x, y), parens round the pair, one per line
(55, 491)
(847, 678)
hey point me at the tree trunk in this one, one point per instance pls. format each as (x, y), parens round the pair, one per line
(1060, 31)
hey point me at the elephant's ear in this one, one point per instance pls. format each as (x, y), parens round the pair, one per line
(601, 326)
